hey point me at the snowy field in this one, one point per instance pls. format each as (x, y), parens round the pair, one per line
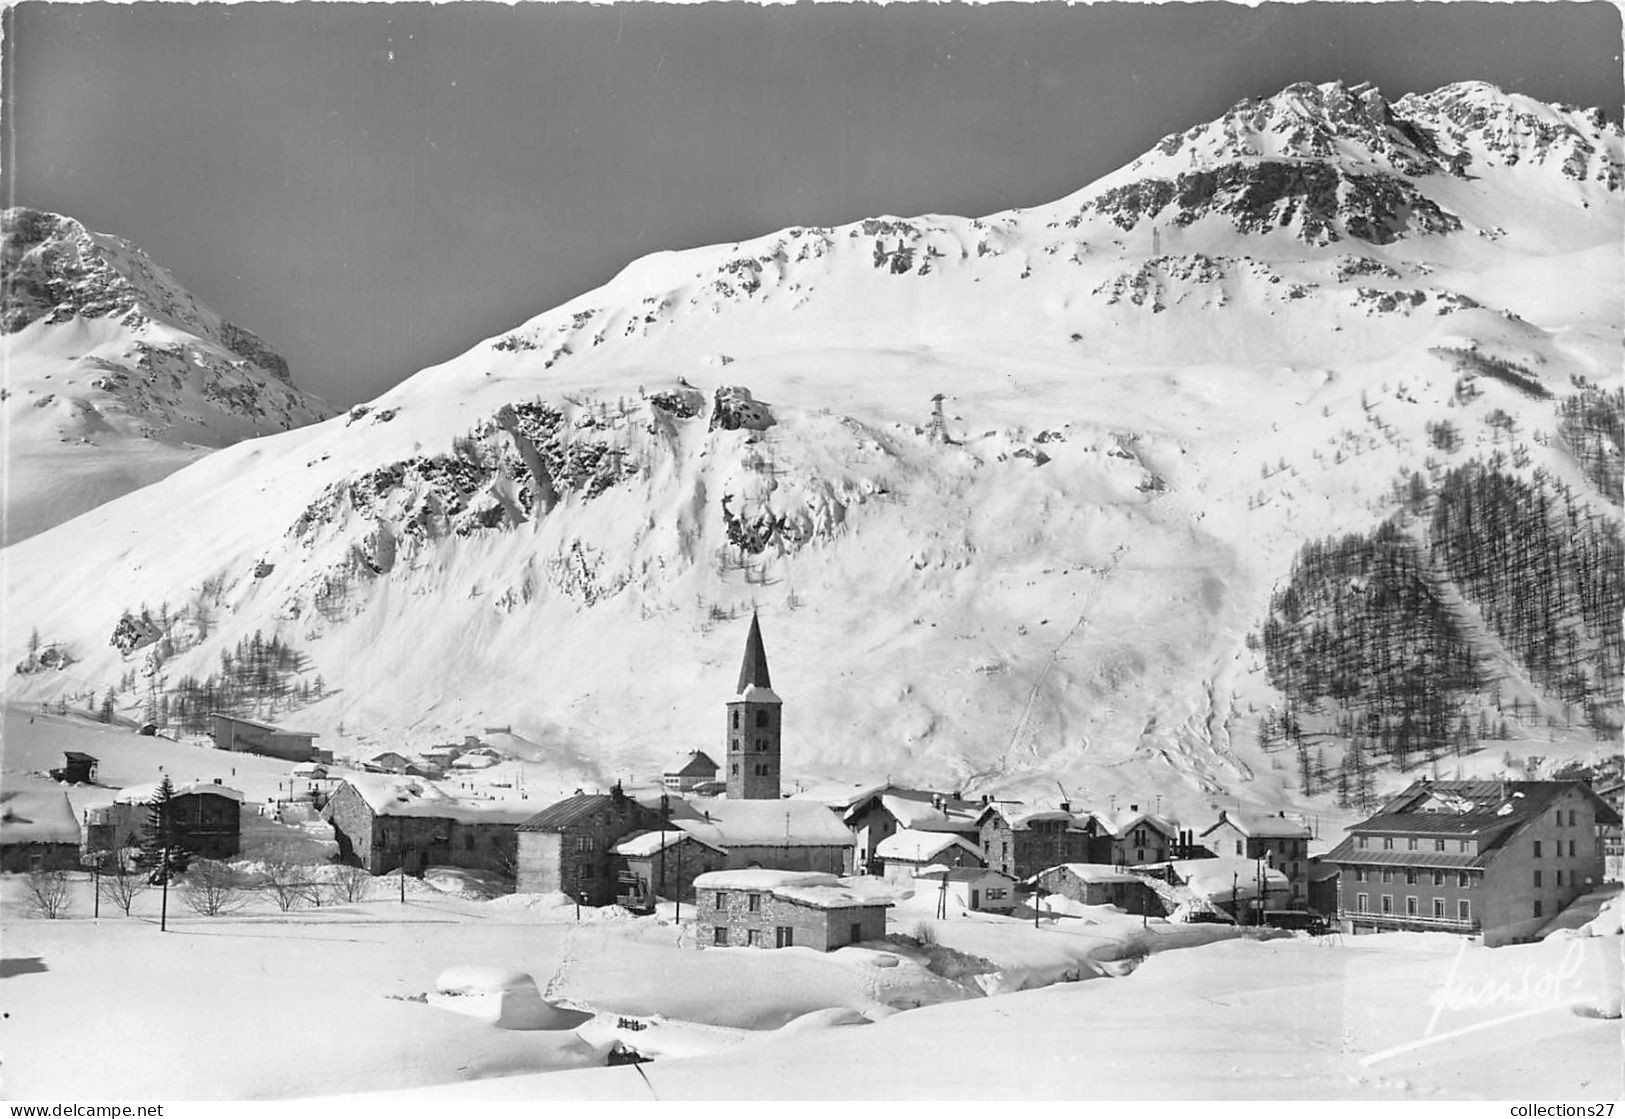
(342, 999)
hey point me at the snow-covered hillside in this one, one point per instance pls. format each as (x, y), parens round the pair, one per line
(1154, 392)
(115, 375)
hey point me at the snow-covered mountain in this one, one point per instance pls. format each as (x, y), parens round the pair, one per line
(115, 375)
(1153, 393)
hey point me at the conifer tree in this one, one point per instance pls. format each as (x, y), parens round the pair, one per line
(163, 851)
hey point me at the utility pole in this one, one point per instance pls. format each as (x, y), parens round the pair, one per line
(163, 910)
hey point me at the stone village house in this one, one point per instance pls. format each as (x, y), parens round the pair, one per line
(782, 909)
(384, 823)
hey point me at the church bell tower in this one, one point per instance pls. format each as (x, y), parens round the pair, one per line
(755, 716)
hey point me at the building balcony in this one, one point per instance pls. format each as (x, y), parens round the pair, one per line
(1400, 922)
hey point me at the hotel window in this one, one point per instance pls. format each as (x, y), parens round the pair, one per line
(736, 718)
(753, 937)
(1438, 845)
(1361, 841)
(1387, 875)
(1560, 878)
(1410, 844)
(1388, 843)
(1438, 878)
(722, 900)
(1410, 876)
(1410, 906)
(1466, 845)
(1537, 848)
(1464, 910)
(1537, 879)
(1359, 874)
(1238, 846)
(1438, 907)
(719, 935)
(1362, 903)
(1571, 849)
(755, 903)
(1537, 909)
(1559, 817)
(1388, 903)
(1571, 818)
(1463, 879)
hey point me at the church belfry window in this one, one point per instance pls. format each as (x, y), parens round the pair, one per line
(762, 719)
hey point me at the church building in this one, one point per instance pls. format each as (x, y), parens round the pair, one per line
(754, 717)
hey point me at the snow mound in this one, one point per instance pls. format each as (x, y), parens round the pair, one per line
(504, 997)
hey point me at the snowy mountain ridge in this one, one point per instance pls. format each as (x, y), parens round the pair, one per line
(1152, 398)
(115, 373)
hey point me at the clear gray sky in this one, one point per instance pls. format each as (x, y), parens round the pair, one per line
(375, 187)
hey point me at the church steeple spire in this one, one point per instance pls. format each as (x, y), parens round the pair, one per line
(753, 669)
(754, 722)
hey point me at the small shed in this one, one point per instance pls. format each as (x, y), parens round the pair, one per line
(389, 761)
(968, 889)
(1096, 884)
(77, 768)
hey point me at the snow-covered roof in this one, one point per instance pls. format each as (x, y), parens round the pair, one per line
(840, 795)
(804, 887)
(1097, 873)
(307, 769)
(1215, 879)
(1123, 821)
(474, 760)
(755, 693)
(961, 873)
(653, 842)
(693, 764)
(1021, 817)
(1259, 826)
(41, 815)
(146, 794)
(767, 823)
(761, 878)
(907, 845)
(389, 795)
(924, 815)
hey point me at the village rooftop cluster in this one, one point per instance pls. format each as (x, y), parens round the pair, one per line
(1490, 858)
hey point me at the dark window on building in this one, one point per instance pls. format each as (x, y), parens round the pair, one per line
(1571, 818)
(736, 769)
(1387, 875)
(1463, 879)
(857, 932)
(1438, 907)
(1464, 909)
(1537, 909)
(753, 937)
(1438, 845)
(1410, 876)
(1388, 843)
(1361, 840)
(736, 718)
(719, 935)
(722, 900)
(1537, 880)
(1410, 906)
(1362, 903)
(1537, 848)
(1560, 878)
(785, 936)
(1438, 878)
(1387, 903)
(1359, 874)
(1571, 849)
(1410, 844)
(755, 903)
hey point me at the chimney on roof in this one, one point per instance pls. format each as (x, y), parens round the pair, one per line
(1134, 808)
(1066, 806)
